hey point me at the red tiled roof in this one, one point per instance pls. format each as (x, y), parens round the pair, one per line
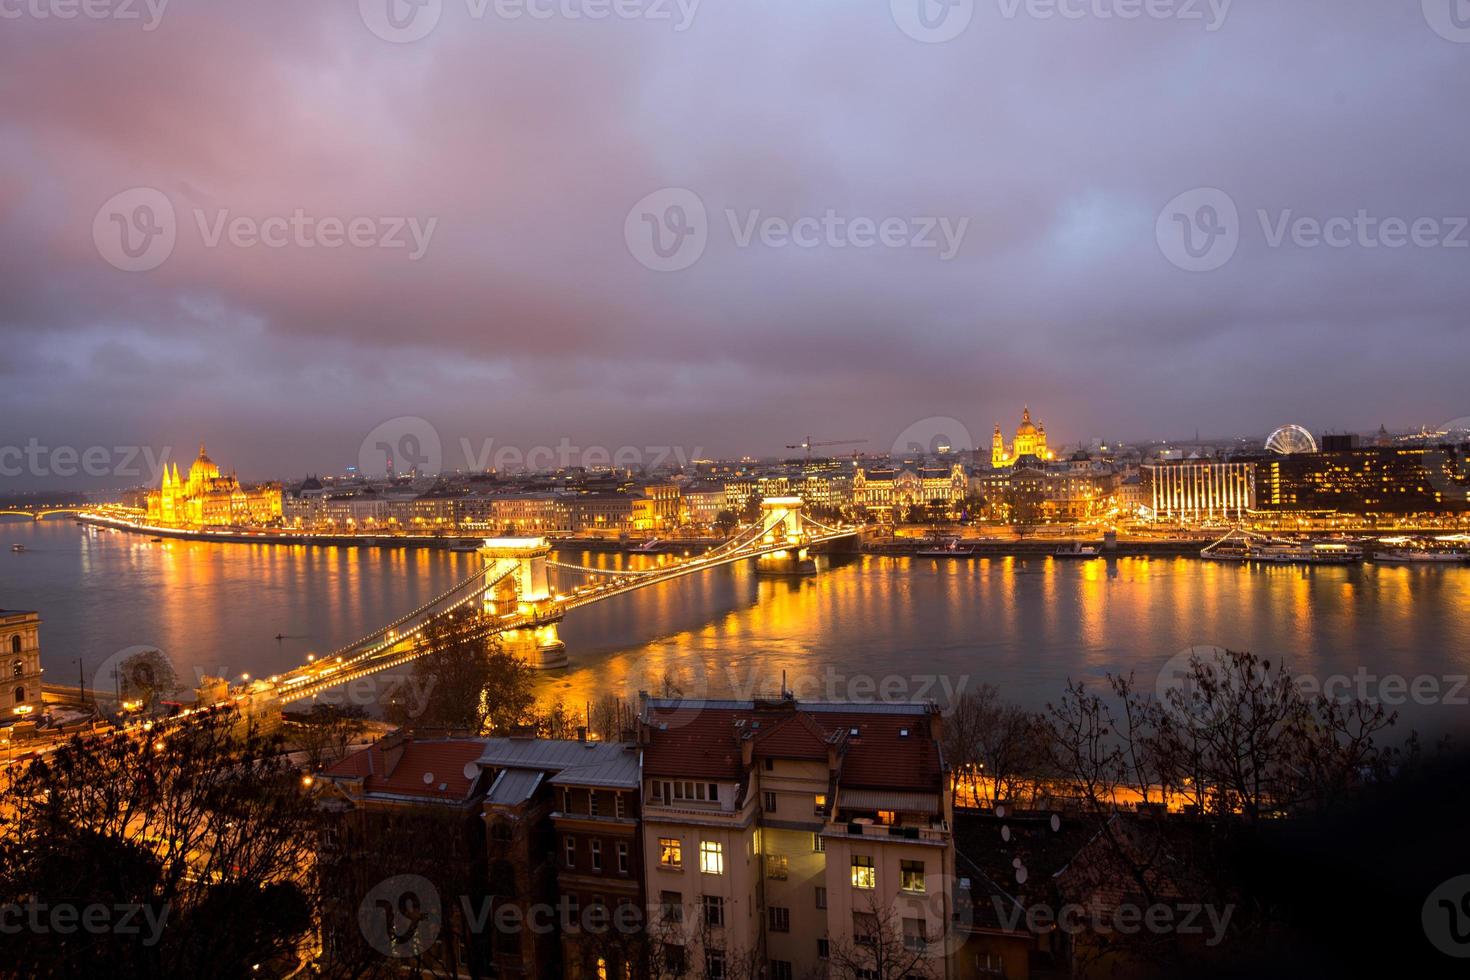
(700, 742)
(433, 769)
(796, 736)
(703, 742)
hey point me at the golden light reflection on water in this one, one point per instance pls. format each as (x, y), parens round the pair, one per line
(1026, 625)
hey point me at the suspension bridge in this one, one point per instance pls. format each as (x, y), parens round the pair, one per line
(511, 597)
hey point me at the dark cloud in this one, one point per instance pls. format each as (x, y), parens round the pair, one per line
(528, 319)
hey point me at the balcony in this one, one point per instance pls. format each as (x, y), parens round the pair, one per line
(936, 833)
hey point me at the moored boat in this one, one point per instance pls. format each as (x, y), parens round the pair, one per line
(1078, 550)
(950, 549)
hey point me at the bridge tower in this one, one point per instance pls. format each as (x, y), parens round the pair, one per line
(783, 515)
(525, 593)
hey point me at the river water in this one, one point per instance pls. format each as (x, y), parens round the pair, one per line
(867, 627)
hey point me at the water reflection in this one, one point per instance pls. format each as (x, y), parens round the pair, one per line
(1025, 625)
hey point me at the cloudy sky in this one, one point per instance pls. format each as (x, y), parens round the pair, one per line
(724, 225)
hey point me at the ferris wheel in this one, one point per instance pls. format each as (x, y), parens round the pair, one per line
(1291, 439)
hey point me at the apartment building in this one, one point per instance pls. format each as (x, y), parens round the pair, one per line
(785, 837)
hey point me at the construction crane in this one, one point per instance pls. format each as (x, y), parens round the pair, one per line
(808, 445)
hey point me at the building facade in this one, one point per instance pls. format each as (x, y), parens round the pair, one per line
(20, 641)
(1199, 490)
(890, 494)
(782, 839)
(1372, 480)
(1030, 441)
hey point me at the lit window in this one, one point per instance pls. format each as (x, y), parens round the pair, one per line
(670, 852)
(776, 866)
(711, 857)
(819, 805)
(911, 876)
(886, 817)
(864, 875)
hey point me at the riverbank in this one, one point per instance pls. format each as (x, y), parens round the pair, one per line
(1036, 548)
(271, 536)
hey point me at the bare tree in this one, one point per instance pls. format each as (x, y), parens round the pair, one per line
(881, 949)
(207, 827)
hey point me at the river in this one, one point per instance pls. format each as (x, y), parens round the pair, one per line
(868, 626)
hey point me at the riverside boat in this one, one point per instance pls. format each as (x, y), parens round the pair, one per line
(1078, 550)
(1411, 551)
(950, 549)
(1285, 552)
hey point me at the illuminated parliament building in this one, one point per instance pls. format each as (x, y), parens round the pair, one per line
(208, 498)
